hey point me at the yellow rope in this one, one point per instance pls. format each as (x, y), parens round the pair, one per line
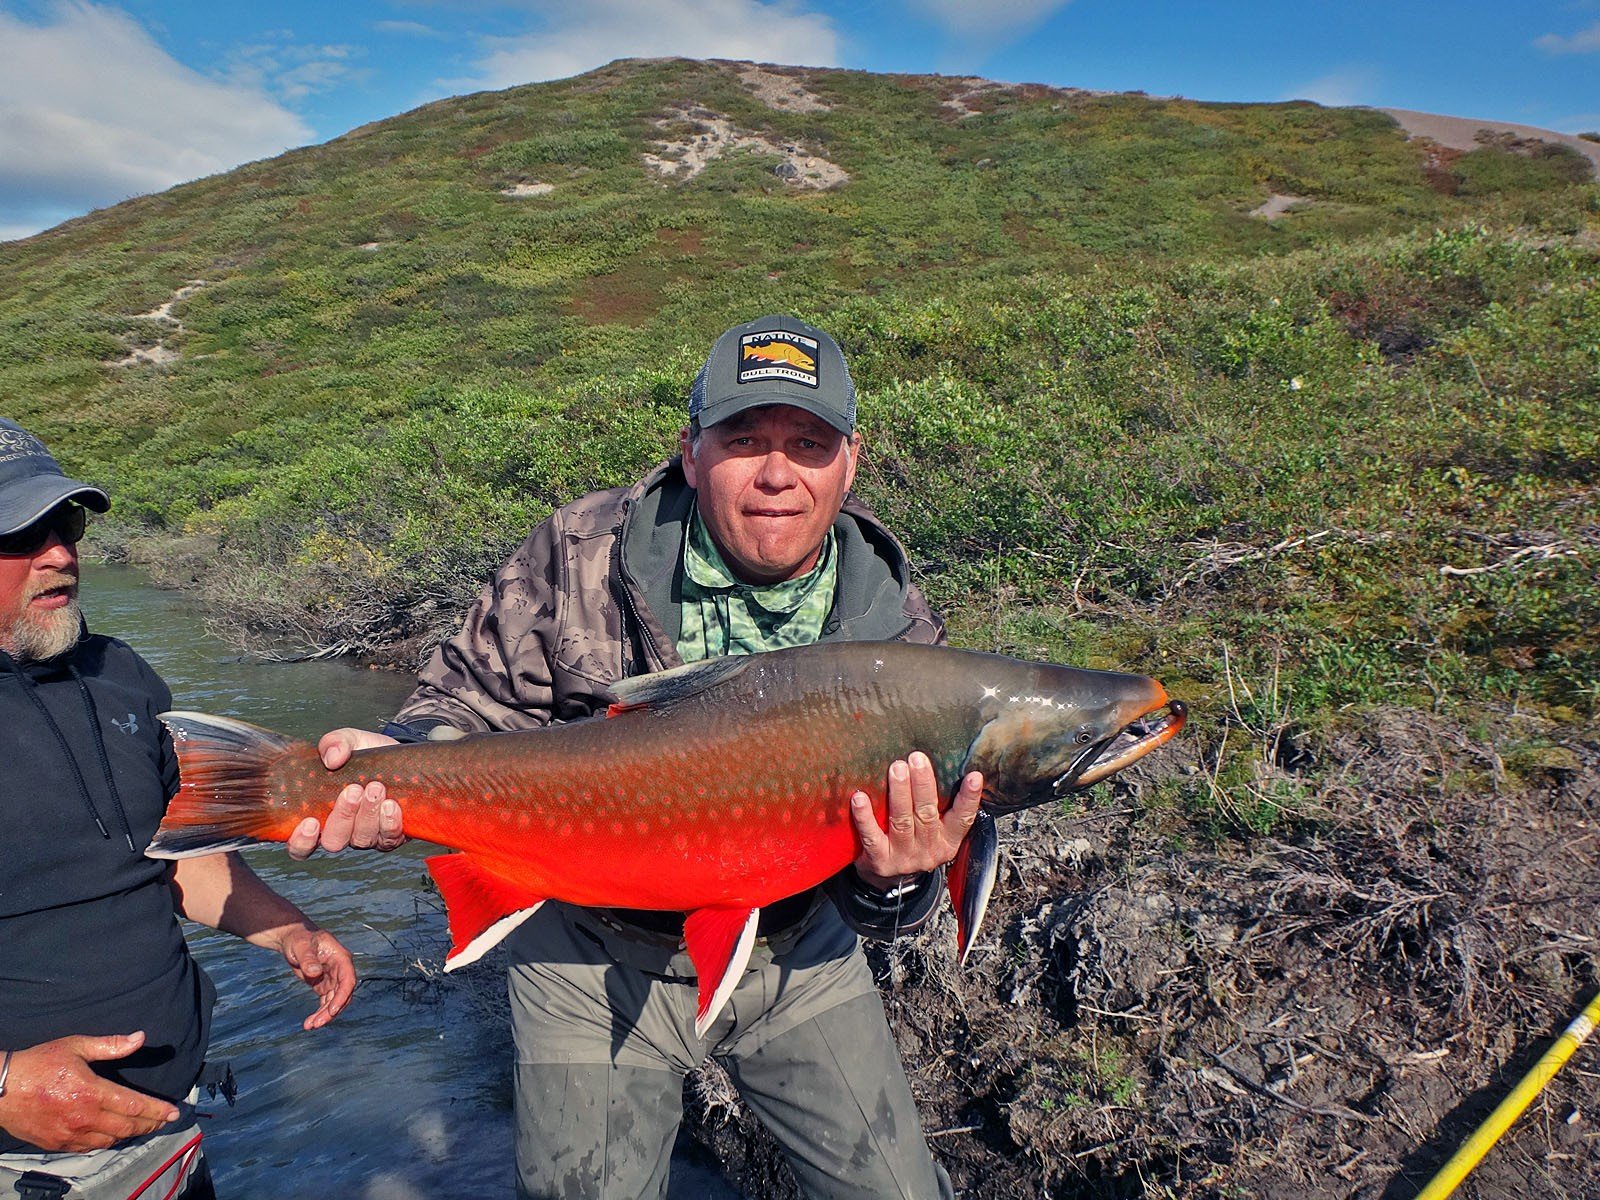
(1463, 1160)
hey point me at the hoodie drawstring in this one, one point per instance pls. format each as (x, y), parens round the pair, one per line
(105, 759)
(32, 689)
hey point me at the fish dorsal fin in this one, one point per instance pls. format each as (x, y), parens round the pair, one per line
(674, 684)
(482, 907)
(719, 941)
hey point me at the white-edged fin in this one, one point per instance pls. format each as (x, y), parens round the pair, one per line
(488, 939)
(482, 906)
(971, 881)
(719, 941)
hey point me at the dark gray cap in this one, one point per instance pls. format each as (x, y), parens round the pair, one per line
(775, 360)
(31, 482)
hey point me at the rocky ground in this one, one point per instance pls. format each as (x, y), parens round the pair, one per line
(1326, 1012)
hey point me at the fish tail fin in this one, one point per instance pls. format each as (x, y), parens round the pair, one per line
(482, 907)
(719, 941)
(226, 797)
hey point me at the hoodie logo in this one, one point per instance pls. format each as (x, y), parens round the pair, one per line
(777, 354)
(130, 726)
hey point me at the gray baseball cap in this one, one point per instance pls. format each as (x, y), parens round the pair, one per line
(31, 482)
(775, 360)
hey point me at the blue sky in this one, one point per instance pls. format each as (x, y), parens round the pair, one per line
(100, 100)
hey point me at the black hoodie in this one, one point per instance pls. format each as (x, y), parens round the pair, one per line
(89, 937)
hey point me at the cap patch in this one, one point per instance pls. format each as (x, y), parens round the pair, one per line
(777, 354)
(15, 444)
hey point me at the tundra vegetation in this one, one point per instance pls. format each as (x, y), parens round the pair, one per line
(1330, 474)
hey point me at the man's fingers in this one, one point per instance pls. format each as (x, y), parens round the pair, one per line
(335, 748)
(340, 826)
(865, 821)
(902, 819)
(139, 1113)
(331, 972)
(964, 809)
(106, 1048)
(344, 824)
(924, 789)
(367, 829)
(391, 831)
(303, 842)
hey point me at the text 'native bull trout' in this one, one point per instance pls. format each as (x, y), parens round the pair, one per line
(711, 789)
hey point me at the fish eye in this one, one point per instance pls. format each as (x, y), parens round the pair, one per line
(1084, 736)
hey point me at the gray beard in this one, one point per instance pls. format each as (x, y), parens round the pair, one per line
(46, 635)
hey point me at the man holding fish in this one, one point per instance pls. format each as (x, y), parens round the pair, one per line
(104, 1016)
(747, 542)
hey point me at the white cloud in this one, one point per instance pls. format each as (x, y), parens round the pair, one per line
(293, 71)
(988, 20)
(92, 111)
(1339, 89)
(1585, 41)
(407, 29)
(579, 38)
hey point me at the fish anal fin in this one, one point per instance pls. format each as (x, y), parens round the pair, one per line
(719, 941)
(482, 907)
(971, 879)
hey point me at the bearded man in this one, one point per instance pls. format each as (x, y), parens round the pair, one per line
(104, 1016)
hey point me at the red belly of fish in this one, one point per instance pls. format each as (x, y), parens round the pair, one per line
(632, 820)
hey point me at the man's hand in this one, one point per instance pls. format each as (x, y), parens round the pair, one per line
(362, 816)
(917, 838)
(55, 1101)
(319, 959)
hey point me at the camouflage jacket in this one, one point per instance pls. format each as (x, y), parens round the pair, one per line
(593, 596)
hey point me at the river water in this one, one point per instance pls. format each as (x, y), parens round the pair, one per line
(407, 1095)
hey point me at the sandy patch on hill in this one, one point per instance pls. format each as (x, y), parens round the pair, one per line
(1467, 133)
(969, 89)
(711, 135)
(777, 89)
(149, 346)
(1277, 204)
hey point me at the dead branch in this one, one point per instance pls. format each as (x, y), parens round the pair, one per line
(1517, 558)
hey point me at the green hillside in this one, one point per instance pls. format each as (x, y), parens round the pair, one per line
(1333, 474)
(1091, 378)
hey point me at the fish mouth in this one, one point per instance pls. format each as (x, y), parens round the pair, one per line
(1129, 744)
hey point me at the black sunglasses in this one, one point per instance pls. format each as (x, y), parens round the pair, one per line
(66, 520)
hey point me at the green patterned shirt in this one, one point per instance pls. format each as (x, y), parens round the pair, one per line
(723, 615)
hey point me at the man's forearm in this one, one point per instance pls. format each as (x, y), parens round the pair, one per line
(220, 890)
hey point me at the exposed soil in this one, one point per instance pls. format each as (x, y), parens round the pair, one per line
(780, 87)
(148, 343)
(1326, 1013)
(1469, 133)
(1277, 204)
(698, 137)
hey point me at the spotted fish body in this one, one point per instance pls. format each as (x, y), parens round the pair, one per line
(713, 789)
(781, 352)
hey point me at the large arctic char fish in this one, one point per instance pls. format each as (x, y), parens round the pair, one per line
(711, 789)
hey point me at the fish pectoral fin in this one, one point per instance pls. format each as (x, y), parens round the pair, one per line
(719, 942)
(482, 906)
(971, 879)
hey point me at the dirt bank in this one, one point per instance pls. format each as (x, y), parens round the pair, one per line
(1323, 1014)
